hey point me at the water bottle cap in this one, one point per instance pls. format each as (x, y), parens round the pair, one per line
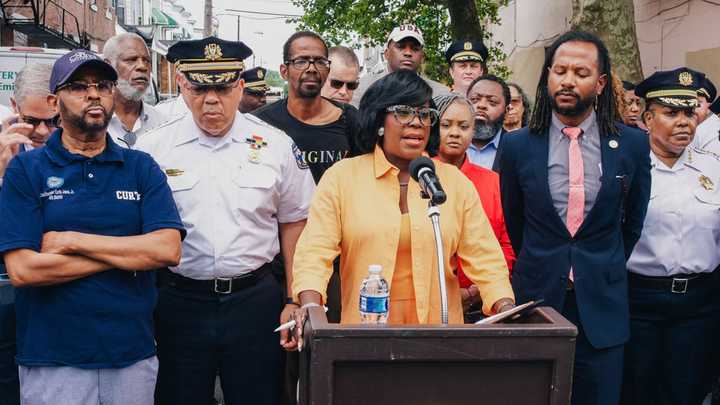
(375, 268)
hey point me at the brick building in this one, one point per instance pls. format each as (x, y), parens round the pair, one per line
(57, 23)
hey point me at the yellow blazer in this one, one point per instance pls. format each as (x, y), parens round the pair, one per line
(355, 214)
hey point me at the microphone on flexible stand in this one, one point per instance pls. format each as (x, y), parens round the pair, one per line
(422, 170)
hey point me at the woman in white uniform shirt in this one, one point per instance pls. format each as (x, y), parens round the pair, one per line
(673, 296)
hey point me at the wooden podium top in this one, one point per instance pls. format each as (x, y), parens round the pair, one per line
(543, 321)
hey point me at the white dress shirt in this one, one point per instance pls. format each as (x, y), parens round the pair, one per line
(681, 234)
(149, 118)
(231, 192)
(173, 108)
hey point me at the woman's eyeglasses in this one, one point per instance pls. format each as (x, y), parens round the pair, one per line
(80, 89)
(405, 114)
(53, 122)
(337, 84)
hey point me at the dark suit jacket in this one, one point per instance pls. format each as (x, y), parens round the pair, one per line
(496, 162)
(598, 252)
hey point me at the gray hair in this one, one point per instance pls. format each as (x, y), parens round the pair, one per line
(444, 101)
(112, 49)
(345, 54)
(32, 80)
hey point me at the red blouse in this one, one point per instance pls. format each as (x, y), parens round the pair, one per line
(487, 184)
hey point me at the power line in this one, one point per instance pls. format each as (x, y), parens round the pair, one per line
(263, 13)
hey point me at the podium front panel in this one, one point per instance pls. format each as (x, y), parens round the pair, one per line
(524, 363)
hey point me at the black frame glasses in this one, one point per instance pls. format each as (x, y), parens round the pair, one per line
(304, 63)
(80, 89)
(53, 122)
(337, 84)
(405, 114)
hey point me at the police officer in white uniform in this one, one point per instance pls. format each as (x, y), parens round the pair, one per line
(674, 306)
(707, 136)
(243, 193)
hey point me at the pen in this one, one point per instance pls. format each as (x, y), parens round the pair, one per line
(289, 324)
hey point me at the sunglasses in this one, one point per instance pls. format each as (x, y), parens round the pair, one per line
(337, 84)
(35, 122)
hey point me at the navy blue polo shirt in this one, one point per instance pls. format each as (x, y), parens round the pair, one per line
(104, 320)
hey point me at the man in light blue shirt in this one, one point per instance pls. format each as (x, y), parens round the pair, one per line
(490, 96)
(484, 155)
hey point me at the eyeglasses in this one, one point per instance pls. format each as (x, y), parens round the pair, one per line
(303, 63)
(405, 114)
(79, 89)
(337, 84)
(220, 90)
(53, 122)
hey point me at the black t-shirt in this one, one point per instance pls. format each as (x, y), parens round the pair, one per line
(321, 145)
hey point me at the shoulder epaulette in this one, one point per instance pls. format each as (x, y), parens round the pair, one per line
(706, 152)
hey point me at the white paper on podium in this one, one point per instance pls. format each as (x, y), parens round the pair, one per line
(504, 315)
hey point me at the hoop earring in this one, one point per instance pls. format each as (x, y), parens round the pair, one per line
(381, 131)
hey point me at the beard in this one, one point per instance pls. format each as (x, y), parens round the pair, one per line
(78, 120)
(580, 107)
(485, 131)
(128, 91)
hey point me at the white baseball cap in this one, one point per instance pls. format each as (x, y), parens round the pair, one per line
(405, 31)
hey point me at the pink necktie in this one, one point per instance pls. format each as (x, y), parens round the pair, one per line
(576, 192)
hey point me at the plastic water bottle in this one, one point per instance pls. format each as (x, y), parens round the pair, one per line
(374, 297)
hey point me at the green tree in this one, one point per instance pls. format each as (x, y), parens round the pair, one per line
(273, 79)
(614, 22)
(441, 21)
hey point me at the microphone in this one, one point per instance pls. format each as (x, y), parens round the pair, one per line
(422, 170)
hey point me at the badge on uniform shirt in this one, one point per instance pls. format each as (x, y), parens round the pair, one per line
(706, 182)
(174, 172)
(254, 156)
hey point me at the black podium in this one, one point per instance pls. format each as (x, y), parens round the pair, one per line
(524, 362)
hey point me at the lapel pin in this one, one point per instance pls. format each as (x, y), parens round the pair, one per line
(613, 144)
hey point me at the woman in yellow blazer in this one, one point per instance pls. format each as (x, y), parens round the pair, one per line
(367, 210)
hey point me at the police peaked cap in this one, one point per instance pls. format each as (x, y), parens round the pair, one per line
(209, 61)
(460, 51)
(673, 88)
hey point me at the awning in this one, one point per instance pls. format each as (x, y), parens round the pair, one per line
(160, 18)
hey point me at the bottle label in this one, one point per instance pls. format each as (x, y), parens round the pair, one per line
(374, 305)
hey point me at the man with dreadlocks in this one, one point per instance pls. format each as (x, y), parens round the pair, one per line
(575, 187)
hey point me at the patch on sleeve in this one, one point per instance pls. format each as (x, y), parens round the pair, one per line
(299, 158)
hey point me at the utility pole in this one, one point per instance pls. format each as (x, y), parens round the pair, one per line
(207, 24)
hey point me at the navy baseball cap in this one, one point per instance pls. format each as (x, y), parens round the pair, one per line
(68, 64)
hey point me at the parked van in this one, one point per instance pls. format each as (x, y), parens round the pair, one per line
(13, 59)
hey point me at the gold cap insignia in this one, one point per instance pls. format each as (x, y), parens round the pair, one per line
(706, 182)
(467, 46)
(260, 74)
(685, 79)
(213, 52)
